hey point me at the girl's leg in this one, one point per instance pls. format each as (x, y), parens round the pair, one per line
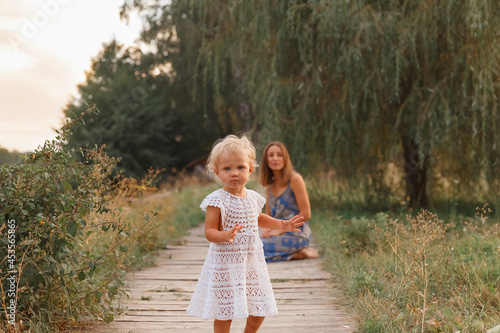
(222, 326)
(253, 324)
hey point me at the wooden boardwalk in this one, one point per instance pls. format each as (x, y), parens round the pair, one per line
(305, 294)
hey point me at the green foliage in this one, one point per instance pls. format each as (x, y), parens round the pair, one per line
(187, 213)
(58, 206)
(155, 110)
(135, 122)
(350, 84)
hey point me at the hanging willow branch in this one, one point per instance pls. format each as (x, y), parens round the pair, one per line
(356, 82)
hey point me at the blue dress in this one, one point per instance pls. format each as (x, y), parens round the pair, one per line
(282, 247)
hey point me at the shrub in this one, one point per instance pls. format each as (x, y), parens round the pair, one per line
(51, 205)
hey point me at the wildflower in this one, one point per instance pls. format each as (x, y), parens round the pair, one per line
(42, 223)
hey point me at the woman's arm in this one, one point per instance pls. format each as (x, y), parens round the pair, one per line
(266, 233)
(268, 208)
(212, 232)
(298, 186)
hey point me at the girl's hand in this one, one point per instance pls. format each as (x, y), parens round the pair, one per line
(292, 224)
(232, 233)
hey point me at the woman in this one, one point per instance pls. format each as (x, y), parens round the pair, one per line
(286, 197)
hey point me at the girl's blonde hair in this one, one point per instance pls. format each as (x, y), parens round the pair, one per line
(239, 145)
(266, 174)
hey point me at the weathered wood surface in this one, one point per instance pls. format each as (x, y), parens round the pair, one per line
(305, 294)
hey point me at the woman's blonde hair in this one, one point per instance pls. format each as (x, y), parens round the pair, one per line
(266, 174)
(239, 145)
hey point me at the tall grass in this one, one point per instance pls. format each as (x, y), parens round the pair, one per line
(417, 273)
(163, 214)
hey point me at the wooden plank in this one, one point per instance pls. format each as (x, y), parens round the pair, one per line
(305, 294)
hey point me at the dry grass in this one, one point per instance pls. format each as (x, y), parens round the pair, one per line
(416, 274)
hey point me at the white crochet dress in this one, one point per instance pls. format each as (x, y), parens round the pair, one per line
(234, 281)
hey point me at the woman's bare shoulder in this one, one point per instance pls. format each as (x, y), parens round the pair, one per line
(297, 182)
(296, 177)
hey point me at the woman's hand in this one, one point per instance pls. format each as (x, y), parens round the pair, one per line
(266, 233)
(292, 224)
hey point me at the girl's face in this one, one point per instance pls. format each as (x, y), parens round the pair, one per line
(275, 159)
(233, 171)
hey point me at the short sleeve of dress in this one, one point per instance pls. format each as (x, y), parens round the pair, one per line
(213, 199)
(258, 200)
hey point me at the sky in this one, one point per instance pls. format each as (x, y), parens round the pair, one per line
(46, 46)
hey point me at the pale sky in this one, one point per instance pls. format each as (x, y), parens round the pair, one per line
(45, 48)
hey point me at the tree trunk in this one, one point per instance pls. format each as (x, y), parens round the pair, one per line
(415, 173)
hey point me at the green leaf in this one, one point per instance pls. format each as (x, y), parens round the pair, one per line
(68, 187)
(82, 222)
(123, 248)
(113, 290)
(72, 228)
(109, 318)
(448, 312)
(81, 276)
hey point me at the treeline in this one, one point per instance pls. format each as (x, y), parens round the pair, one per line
(349, 86)
(9, 157)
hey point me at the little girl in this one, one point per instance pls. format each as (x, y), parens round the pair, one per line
(234, 281)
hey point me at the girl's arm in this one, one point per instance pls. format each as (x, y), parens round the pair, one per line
(298, 186)
(212, 232)
(266, 221)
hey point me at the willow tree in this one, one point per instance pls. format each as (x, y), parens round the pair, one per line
(174, 37)
(356, 82)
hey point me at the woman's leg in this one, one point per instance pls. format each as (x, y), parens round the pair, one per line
(253, 324)
(311, 253)
(307, 253)
(222, 326)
